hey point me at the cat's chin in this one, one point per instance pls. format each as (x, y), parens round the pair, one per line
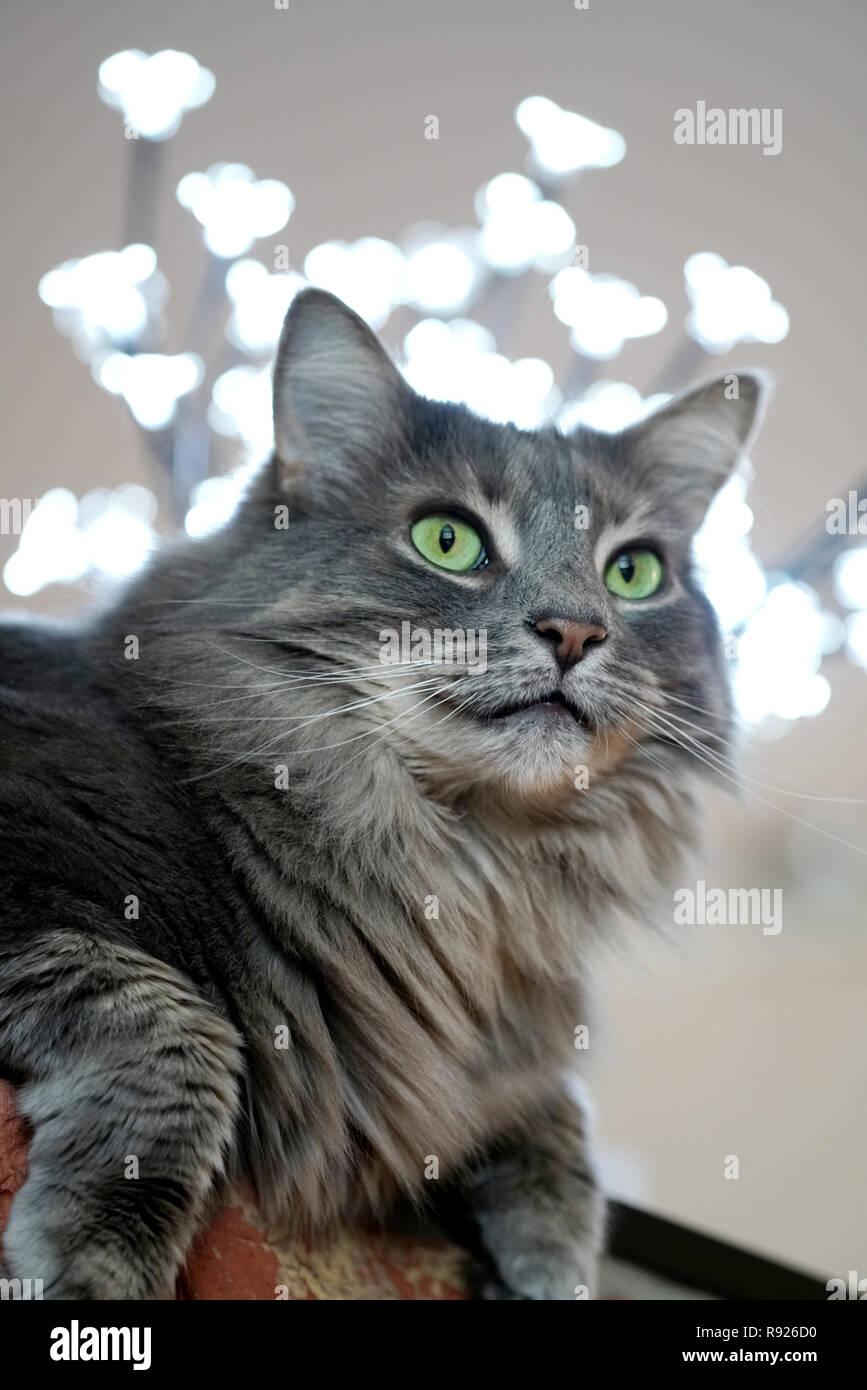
(533, 753)
(539, 749)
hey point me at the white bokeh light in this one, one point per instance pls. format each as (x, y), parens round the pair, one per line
(457, 361)
(155, 91)
(856, 638)
(609, 406)
(849, 577)
(107, 534)
(506, 193)
(603, 311)
(779, 654)
(151, 383)
(240, 408)
(117, 544)
(366, 274)
(520, 228)
(563, 142)
(259, 303)
(442, 273)
(729, 572)
(214, 501)
(730, 305)
(106, 299)
(234, 207)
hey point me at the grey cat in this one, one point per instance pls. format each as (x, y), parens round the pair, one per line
(278, 910)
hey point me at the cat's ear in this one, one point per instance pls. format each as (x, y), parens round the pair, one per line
(338, 398)
(688, 448)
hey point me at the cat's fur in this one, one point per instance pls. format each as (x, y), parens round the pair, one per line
(286, 858)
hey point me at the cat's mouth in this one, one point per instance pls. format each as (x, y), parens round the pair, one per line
(554, 707)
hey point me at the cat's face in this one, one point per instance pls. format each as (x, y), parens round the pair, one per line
(530, 595)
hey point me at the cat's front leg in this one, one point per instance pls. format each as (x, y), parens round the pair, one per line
(537, 1208)
(132, 1099)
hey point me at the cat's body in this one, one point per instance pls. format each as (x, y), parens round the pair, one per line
(321, 948)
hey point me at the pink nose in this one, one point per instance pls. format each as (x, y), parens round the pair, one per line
(570, 639)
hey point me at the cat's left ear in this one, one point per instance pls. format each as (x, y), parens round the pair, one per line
(687, 449)
(339, 401)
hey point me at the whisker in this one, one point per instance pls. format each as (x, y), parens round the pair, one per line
(296, 752)
(732, 766)
(304, 719)
(714, 767)
(681, 719)
(690, 704)
(400, 720)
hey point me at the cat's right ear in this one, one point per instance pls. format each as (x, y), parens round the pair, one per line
(339, 401)
(683, 453)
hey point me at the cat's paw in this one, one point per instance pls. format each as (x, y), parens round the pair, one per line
(76, 1255)
(536, 1264)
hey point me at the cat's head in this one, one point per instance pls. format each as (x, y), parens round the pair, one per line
(556, 569)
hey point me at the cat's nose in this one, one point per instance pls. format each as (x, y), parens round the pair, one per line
(570, 639)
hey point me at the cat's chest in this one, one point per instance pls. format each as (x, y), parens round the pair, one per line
(425, 1015)
(480, 1004)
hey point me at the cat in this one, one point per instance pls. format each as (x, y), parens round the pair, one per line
(277, 910)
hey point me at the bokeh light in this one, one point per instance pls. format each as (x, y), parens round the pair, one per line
(154, 92)
(603, 311)
(107, 299)
(234, 207)
(730, 305)
(107, 535)
(562, 142)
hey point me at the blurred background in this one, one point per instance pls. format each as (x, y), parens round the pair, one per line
(497, 188)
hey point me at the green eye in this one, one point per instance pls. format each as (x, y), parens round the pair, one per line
(448, 542)
(634, 574)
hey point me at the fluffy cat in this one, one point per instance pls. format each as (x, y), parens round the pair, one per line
(275, 909)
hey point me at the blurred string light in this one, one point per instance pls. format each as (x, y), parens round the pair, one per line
(730, 305)
(856, 638)
(778, 657)
(782, 631)
(521, 228)
(240, 408)
(151, 383)
(603, 311)
(153, 93)
(438, 271)
(849, 577)
(259, 303)
(442, 273)
(234, 207)
(562, 143)
(105, 300)
(458, 361)
(366, 274)
(609, 406)
(108, 534)
(214, 501)
(731, 575)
